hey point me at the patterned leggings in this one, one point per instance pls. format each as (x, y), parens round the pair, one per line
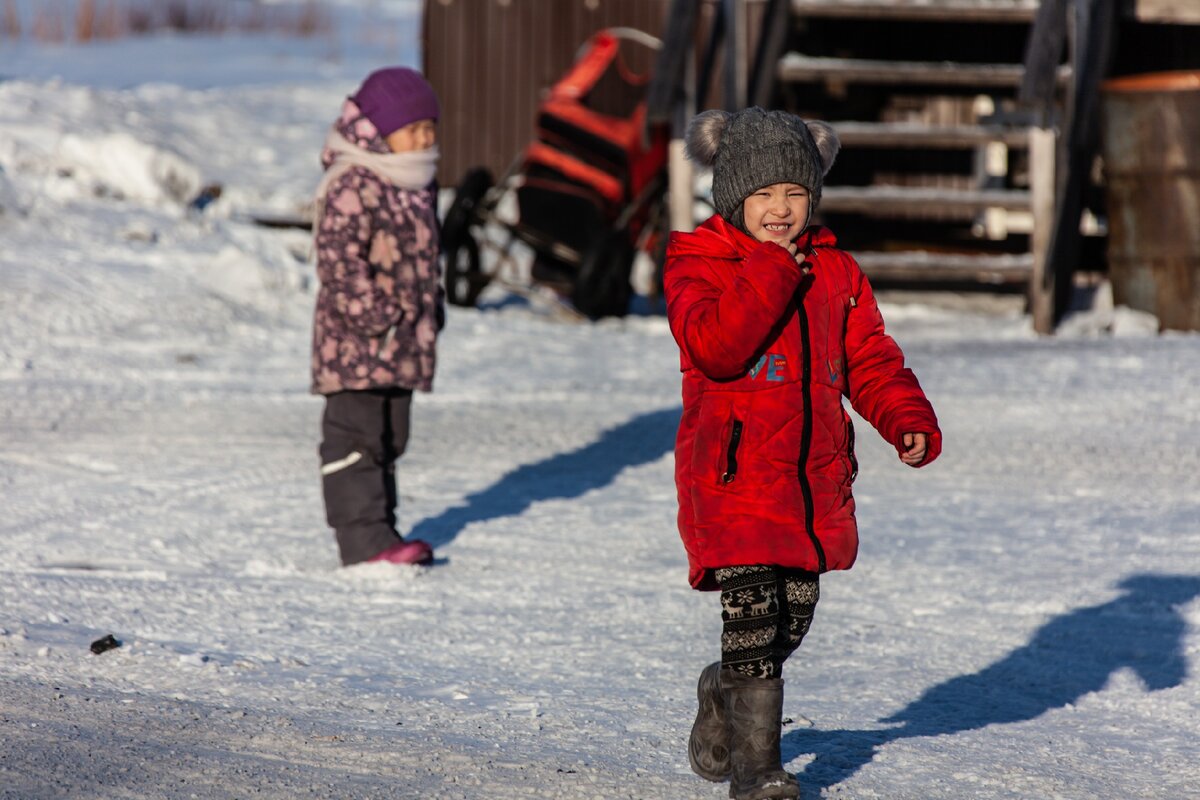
(760, 632)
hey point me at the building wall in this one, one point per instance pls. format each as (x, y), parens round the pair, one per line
(490, 60)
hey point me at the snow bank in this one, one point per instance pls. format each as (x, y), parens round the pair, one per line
(119, 165)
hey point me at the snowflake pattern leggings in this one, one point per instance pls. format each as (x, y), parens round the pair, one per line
(760, 632)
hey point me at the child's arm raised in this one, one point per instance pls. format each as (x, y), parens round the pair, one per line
(720, 328)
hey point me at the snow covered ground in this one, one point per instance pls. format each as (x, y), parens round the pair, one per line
(1023, 622)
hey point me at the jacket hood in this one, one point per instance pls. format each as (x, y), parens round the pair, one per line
(716, 238)
(354, 127)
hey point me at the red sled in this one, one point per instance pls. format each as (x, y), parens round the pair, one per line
(585, 195)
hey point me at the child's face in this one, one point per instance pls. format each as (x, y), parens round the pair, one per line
(419, 135)
(777, 213)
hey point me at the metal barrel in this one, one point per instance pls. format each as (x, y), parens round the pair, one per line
(1151, 145)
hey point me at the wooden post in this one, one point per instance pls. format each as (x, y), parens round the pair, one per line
(681, 194)
(672, 99)
(1042, 147)
(772, 39)
(1094, 28)
(735, 55)
(708, 60)
(1039, 86)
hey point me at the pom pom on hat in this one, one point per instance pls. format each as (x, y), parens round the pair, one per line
(704, 136)
(394, 97)
(827, 142)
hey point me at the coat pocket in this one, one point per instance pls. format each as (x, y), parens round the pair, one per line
(717, 450)
(731, 450)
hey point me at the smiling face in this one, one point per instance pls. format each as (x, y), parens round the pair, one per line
(777, 213)
(419, 135)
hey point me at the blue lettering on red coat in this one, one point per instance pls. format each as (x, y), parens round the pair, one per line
(775, 364)
(835, 369)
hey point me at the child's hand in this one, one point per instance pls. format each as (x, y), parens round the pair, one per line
(796, 254)
(914, 448)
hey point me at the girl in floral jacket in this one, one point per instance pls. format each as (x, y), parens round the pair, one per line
(380, 304)
(775, 326)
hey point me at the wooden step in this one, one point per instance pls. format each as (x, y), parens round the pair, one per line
(917, 135)
(800, 68)
(883, 201)
(923, 266)
(1016, 11)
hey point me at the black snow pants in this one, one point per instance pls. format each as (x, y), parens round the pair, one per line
(362, 435)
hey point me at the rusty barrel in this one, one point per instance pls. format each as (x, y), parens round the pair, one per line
(1151, 135)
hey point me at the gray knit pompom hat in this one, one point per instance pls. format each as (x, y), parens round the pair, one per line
(753, 148)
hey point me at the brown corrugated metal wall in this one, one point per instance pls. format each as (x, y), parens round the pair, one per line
(490, 60)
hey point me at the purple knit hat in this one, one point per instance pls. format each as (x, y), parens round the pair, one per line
(394, 97)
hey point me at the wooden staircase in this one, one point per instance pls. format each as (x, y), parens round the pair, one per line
(969, 127)
(939, 177)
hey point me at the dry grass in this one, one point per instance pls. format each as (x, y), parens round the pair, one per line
(10, 23)
(91, 20)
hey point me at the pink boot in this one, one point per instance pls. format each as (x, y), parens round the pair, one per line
(413, 551)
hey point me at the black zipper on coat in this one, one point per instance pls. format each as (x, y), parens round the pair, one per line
(735, 438)
(806, 435)
(850, 452)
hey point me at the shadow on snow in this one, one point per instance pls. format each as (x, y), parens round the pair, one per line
(641, 440)
(1069, 657)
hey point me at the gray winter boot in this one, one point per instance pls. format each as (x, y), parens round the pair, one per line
(754, 709)
(708, 747)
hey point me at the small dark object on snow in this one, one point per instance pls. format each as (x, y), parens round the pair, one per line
(107, 643)
(205, 197)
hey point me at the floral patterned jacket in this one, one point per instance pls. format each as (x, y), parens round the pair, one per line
(380, 302)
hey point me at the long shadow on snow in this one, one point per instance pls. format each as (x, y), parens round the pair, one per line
(1068, 657)
(641, 440)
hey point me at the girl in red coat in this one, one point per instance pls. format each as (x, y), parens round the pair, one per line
(775, 326)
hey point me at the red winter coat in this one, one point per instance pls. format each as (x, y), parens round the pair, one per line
(764, 457)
